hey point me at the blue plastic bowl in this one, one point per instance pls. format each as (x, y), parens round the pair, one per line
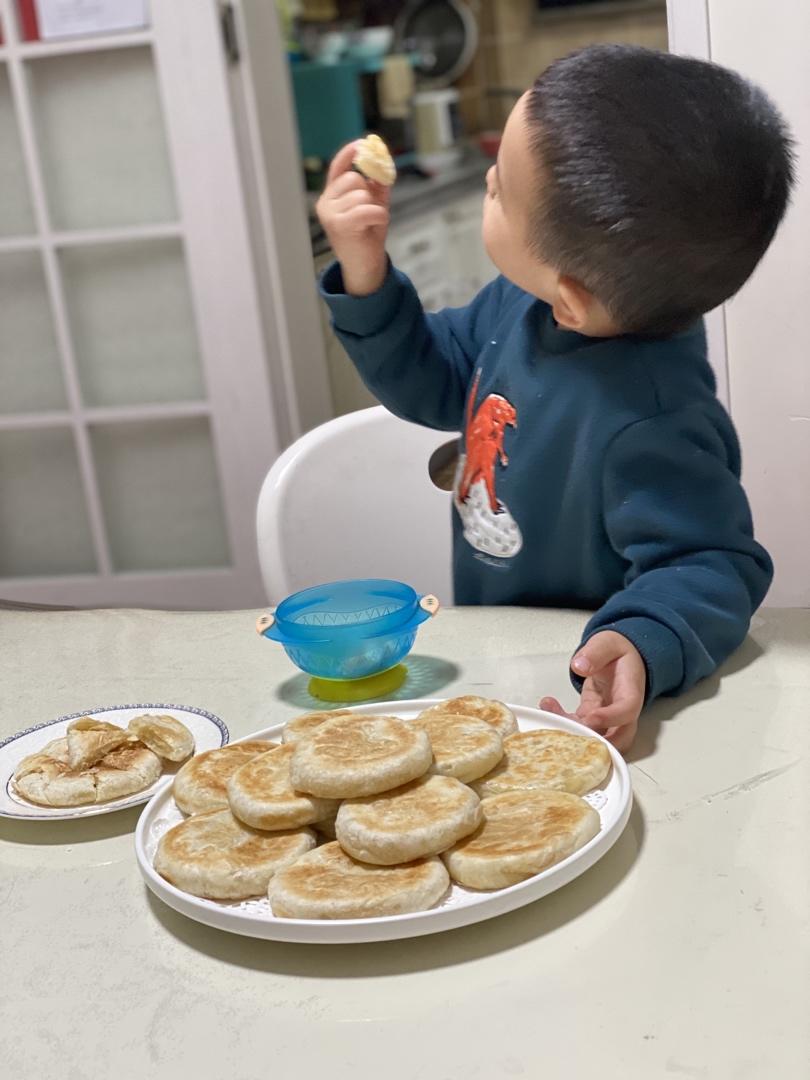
(348, 629)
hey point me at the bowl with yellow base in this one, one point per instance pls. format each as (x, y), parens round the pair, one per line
(351, 637)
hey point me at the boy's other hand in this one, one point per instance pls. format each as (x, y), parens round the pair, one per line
(354, 215)
(613, 691)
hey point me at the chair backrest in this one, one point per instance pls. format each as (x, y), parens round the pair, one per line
(353, 498)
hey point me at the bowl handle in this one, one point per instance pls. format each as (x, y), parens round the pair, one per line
(430, 604)
(264, 623)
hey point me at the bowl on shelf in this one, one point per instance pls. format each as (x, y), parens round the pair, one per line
(325, 47)
(370, 44)
(350, 636)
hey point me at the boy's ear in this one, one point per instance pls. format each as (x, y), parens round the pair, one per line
(573, 305)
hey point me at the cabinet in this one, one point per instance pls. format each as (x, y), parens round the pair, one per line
(148, 254)
(443, 255)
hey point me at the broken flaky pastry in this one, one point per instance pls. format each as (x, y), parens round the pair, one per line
(89, 740)
(373, 159)
(47, 778)
(164, 736)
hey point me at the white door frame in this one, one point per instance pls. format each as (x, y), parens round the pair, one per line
(690, 35)
(267, 137)
(215, 227)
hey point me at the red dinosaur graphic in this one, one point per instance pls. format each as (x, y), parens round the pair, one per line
(484, 442)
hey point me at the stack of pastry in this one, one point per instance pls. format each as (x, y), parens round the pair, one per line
(97, 761)
(356, 816)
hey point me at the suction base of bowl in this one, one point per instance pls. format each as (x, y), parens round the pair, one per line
(381, 685)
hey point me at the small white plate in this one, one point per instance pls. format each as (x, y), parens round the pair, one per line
(208, 730)
(460, 907)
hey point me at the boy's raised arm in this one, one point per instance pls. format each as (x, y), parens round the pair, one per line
(418, 365)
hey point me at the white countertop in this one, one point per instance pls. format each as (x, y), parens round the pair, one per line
(683, 953)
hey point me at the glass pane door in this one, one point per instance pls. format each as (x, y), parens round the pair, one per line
(108, 463)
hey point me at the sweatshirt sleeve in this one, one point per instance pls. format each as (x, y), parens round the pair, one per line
(674, 509)
(418, 365)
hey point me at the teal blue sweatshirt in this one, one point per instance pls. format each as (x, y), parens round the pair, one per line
(594, 473)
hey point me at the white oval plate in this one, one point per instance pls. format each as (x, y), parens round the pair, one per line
(208, 730)
(460, 907)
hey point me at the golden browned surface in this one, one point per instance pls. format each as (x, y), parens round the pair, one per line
(352, 756)
(56, 750)
(201, 783)
(89, 740)
(463, 746)
(216, 856)
(329, 884)
(261, 794)
(301, 726)
(421, 818)
(50, 781)
(487, 709)
(523, 833)
(548, 759)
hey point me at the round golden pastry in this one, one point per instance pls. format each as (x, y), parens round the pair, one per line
(201, 784)
(301, 726)
(329, 884)
(352, 756)
(547, 758)
(261, 794)
(493, 712)
(421, 818)
(215, 856)
(523, 833)
(463, 746)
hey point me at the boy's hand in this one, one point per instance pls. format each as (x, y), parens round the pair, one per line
(613, 691)
(354, 214)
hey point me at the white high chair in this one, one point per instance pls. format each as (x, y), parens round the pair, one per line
(354, 499)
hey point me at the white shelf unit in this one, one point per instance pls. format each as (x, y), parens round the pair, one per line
(146, 341)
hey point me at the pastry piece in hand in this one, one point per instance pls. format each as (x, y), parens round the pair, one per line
(261, 794)
(216, 856)
(329, 884)
(201, 784)
(463, 746)
(89, 740)
(164, 735)
(422, 818)
(373, 160)
(547, 758)
(297, 729)
(359, 755)
(523, 833)
(492, 712)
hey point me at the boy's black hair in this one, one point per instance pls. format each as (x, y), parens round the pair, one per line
(662, 180)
